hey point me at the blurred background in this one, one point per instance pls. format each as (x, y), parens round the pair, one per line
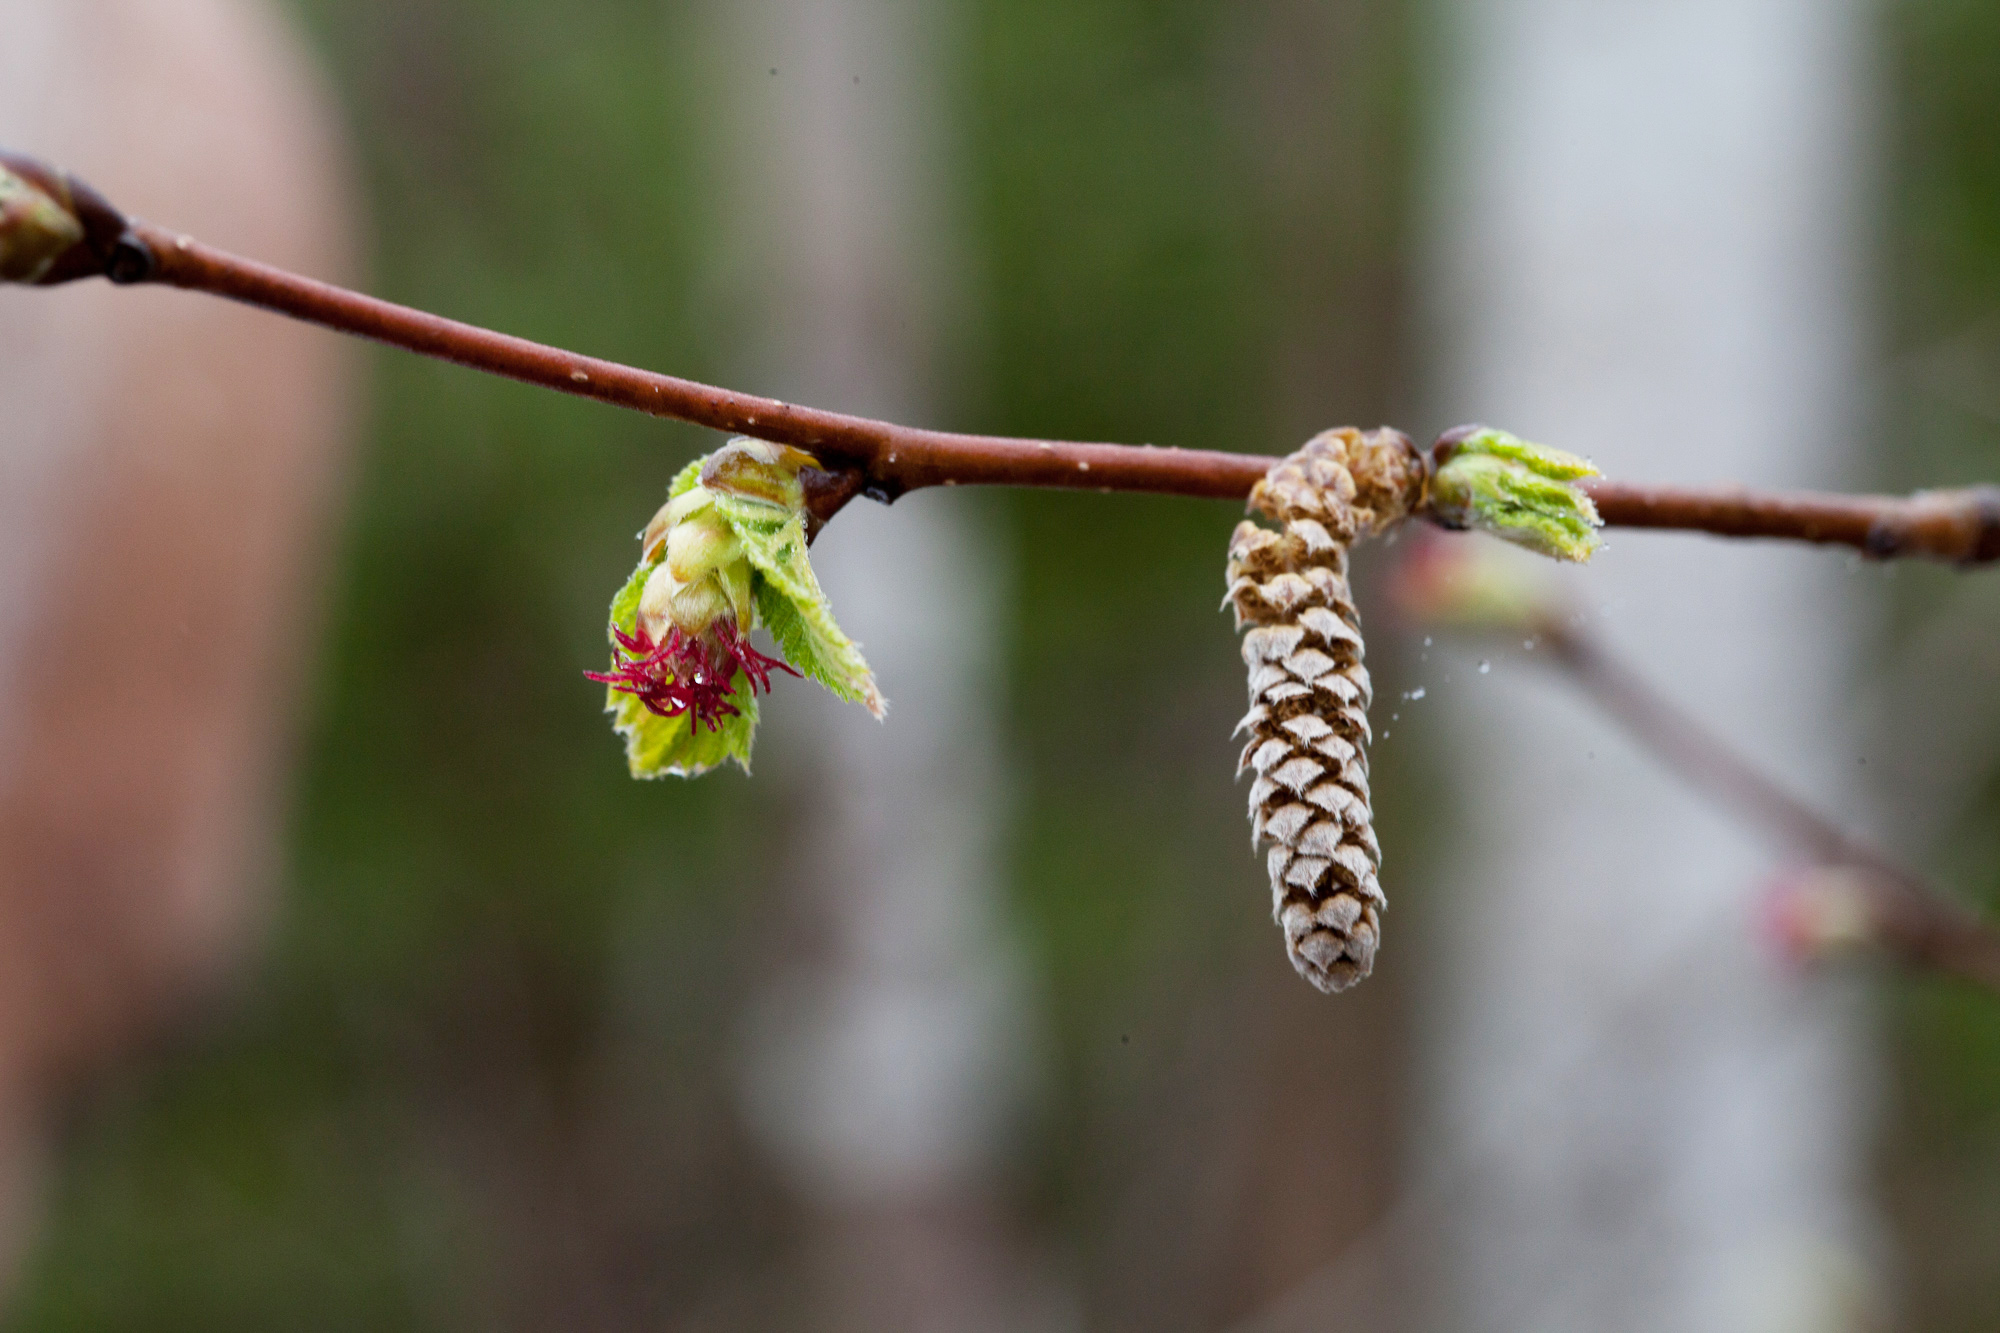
(351, 982)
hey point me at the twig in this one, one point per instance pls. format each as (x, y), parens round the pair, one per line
(1962, 526)
(883, 460)
(1914, 921)
(894, 459)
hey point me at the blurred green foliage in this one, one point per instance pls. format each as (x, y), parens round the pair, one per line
(483, 910)
(481, 1077)
(1941, 1157)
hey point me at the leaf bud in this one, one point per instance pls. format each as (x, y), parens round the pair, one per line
(1521, 492)
(35, 229)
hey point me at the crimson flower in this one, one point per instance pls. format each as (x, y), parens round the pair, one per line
(690, 674)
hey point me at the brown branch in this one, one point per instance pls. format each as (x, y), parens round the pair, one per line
(1961, 526)
(1912, 920)
(883, 460)
(893, 459)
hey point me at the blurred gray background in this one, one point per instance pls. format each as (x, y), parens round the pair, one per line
(350, 982)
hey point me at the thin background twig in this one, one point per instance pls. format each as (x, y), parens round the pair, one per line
(1912, 920)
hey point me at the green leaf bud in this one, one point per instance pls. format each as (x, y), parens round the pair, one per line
(1556, 464)
(1516, 490)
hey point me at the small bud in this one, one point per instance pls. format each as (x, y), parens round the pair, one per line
(1446, 579)
(738, 580)
(760, 471)
(35, 230)
(674, 512)
(1521, 492)
(670, 604)
(1814, 913)
(701, 547)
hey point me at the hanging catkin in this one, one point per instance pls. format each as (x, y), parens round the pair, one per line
(1309, 692)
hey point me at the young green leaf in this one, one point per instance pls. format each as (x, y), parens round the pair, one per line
(793, 605)
(658, 747)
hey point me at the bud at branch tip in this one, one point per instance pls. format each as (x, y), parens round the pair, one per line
(36, 229)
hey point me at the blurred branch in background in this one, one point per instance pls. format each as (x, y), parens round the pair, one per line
(1454, 583)
(1367, 1278)
(1663, 266)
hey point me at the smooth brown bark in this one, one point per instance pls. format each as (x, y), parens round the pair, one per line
(884, 460)
(1960, 526)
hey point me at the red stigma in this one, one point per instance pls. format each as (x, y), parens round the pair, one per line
(688, 674)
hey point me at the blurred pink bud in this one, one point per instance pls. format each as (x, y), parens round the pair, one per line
(1461, 580)
(1809, 914)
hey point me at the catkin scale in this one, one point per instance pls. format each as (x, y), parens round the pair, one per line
(1308, 738)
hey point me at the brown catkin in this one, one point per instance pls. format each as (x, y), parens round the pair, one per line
(1309, 692)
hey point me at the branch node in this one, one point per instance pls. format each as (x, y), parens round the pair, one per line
(1886, 537)
(132, 261)
(1986, 514)
(827, 493)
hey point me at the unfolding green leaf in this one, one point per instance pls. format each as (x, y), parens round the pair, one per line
(1518, 491)
(792, 604)
(1557, 464)
(685, 480)
(758, 562)
(657, 747)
